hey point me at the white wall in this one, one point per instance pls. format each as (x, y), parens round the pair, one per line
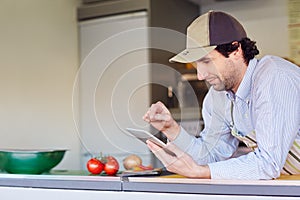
(39, 60)
(266, 21)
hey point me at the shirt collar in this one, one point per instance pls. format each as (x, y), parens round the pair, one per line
(244, 89)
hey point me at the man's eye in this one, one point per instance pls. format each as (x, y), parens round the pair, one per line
(206, 61)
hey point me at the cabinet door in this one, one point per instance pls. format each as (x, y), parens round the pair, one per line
(113, 84)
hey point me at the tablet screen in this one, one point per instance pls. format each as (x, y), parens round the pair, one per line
(145, 135)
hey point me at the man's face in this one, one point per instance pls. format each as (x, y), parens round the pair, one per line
(220, 72)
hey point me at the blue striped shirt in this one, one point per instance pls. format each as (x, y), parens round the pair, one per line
(268, 102)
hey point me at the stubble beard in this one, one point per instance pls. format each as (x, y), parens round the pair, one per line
(230, 76)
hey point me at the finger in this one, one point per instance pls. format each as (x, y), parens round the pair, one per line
(183, 158)
(163, 107)
(182, 155)
(154, 109)
(155, 149)
(161, 117)
(164, 157)
(146, 117)
(152, 146)
(173, 148)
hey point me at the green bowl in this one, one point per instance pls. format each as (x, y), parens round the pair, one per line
(35, 161)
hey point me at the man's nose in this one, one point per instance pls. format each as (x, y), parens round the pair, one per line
(201, 71)
(201, 75)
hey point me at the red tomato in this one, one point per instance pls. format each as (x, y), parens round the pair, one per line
(95, 166)
(111, 166)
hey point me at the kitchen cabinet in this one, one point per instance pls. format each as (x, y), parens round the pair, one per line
(124, 51)
(50, 194)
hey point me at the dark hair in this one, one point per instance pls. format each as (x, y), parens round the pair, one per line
(249, 49)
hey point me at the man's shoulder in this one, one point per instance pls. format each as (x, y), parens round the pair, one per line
(268, 62)
(276, 63)
(272, 70)
(270, 65)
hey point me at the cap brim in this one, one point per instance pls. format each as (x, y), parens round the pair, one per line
(191, 55)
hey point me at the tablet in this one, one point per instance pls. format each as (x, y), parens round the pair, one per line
(145, 135)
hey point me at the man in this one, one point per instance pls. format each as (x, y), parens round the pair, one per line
(250, 100)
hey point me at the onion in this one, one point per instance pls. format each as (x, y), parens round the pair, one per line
(132, 161)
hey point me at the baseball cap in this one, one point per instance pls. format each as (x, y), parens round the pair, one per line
(206, 32)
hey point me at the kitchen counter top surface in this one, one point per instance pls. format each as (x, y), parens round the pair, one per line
(284, 186)
(62, 180)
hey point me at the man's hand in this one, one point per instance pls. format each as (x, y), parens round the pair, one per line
(182, 163)
(160, 118)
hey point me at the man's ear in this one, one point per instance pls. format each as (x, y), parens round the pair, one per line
(238, 52)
